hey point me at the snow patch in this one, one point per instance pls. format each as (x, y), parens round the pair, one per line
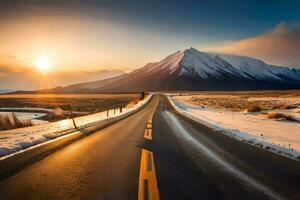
(219, 161)
(12, 141)
(238, 128)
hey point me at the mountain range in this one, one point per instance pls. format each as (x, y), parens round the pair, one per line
(195, 70)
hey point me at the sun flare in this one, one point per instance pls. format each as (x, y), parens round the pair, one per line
(43, 64)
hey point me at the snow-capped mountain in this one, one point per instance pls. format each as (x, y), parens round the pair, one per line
(195, 70)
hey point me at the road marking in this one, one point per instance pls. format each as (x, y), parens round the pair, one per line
(148, 189)
(149, 125)
(148, 134)
(148, 130)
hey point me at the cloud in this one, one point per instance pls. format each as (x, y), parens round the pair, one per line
(281, 46)
(14, 64)
(5, 70)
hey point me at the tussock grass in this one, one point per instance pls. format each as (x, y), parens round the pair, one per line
(291, 106)
(280, 116)
(253, 108)
(10, 121)
(132, 103)
(297, 110)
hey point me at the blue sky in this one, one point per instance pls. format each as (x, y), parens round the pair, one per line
(206, 20)
(212, 20)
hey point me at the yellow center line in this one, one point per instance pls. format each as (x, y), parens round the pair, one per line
(148, 134)
(148, 130)
(148, 189)
(149, 125)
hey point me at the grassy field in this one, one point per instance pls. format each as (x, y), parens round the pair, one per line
(250, 101)
(82, 104)
(273, 115)
(90, 103)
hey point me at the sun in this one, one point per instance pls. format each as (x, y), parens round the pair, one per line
(43, 64)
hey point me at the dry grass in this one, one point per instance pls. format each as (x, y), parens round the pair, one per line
(291, 106)
(253, 108)
(280, 116)
(297, 110)
(10, 121)
(240, 101)
(132, 103)
(83, 103)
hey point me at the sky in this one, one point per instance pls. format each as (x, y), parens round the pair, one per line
(86, 40)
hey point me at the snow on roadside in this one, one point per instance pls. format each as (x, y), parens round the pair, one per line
(247, 128)
(18, 139)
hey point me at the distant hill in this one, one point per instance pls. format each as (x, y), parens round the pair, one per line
(195, 70)
(5, 91)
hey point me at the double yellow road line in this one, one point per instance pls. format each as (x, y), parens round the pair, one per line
(148, 189)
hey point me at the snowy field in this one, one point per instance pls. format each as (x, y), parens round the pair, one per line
(25, 115)
(276, 135)
(15, 140)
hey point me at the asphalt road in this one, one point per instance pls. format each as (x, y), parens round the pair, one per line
(177, 159)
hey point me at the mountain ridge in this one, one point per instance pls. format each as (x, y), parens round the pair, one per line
(195, 70)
